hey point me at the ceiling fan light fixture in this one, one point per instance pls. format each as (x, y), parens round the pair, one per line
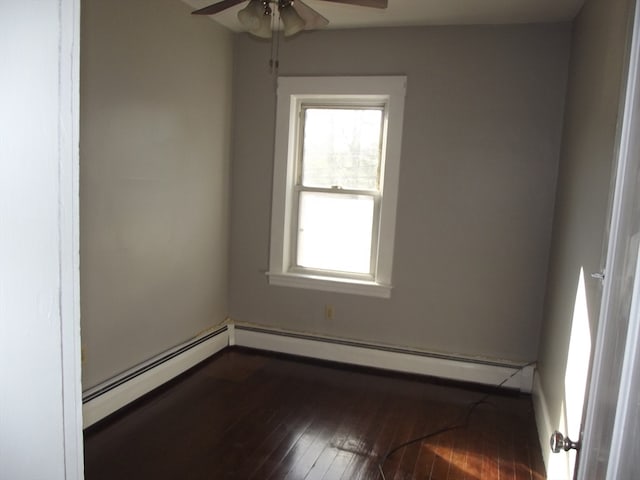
(291, 21)
(250, 15)
(264, 27)
(312, 19)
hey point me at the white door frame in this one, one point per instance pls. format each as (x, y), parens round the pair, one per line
(41, 402)
(69, 208)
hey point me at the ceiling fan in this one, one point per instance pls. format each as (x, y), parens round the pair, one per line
(256, 17)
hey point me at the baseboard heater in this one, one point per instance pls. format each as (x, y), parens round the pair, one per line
(108, 397)
(466, 369)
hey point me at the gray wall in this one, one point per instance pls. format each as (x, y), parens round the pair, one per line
(155, 138)
(477, 183)
(579, 232)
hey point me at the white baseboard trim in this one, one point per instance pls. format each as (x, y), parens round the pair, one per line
(110, 396)
(543, 420)
(386, 357)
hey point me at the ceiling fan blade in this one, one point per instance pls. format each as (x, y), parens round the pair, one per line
(363, 3)
(312, 19)
(217, 7)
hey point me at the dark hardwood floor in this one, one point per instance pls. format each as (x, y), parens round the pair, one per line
(248, 415)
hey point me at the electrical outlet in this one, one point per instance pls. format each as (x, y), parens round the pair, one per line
(328, 312)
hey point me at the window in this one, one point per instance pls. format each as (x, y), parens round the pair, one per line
(335, 183)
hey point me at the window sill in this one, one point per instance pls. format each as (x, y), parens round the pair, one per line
(330, 284)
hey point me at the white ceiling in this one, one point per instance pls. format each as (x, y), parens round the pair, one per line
(425, 12)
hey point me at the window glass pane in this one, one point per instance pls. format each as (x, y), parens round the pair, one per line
(334, 232)
(341, 148)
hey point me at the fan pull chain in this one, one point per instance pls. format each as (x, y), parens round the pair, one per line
(274, 62)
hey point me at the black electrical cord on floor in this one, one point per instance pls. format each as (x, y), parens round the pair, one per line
(455, 426)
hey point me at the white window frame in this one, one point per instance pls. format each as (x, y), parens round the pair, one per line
(293, 92)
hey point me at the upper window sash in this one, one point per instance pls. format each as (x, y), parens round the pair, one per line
(348, 104)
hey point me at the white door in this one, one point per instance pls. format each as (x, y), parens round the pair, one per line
(610, 446)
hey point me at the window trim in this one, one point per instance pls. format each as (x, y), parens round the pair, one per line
(292, 93)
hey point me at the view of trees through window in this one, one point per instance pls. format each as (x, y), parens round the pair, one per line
(341, 147)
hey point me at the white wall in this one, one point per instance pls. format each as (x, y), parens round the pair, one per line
(155, 140)
(479, 160)
(40, 424)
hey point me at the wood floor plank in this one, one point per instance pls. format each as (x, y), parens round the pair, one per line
(424, 462)
(336, 442)
(409, 454)
(291, 418)
(366, 467)
(293, 432)
(475, 451)
(402, 434)
(322, 443)
(357, 446)
(491, 459)
(240, 434)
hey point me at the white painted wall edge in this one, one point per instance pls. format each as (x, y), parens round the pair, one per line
(543, 420)
(386, 357)
(110, 396)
